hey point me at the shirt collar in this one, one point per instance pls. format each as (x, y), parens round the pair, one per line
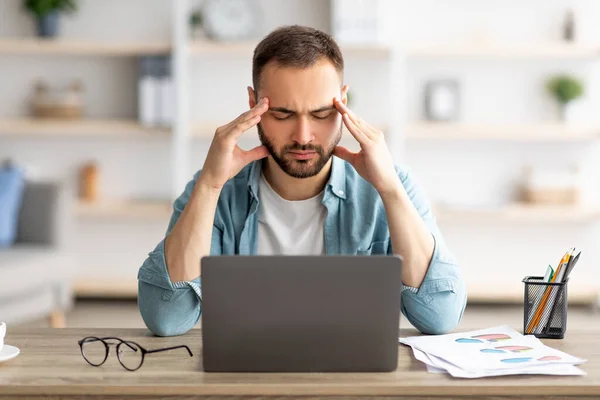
(337, 179)
(255, 170)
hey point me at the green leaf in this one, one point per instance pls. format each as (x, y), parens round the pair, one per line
(40, 8)
(565, 88)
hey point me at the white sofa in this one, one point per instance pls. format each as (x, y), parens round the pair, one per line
(36, 273)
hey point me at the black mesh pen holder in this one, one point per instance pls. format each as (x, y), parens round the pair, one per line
(545, 308)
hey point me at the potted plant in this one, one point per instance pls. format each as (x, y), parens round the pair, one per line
(565, 89)
(196, 25)
(47, 13)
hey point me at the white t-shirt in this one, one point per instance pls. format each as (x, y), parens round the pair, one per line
(289, 227)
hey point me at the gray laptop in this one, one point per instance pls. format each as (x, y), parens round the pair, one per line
(300, 313)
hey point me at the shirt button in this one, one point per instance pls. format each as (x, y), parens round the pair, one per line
(341, 192)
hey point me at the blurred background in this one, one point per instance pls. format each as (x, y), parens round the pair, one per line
(107, 108)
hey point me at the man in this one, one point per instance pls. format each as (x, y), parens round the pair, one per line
(300, 193)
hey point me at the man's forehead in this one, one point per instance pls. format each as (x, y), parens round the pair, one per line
(321, 74)
(300, 89)
(322, 66)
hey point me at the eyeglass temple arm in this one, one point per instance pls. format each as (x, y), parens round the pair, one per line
(171, 348)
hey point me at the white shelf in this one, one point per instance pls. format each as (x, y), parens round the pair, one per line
(520, 212)
(518, 132)
(206, 47)
(560, 50)
(478, 293)
(375, 51)
(513, 293)
(127, 209)
(83, 127)
(114, 287)
(23, 46)
(207, 130)
(35, 46)
(247, 48)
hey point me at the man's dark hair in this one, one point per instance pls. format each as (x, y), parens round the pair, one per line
(295, 46)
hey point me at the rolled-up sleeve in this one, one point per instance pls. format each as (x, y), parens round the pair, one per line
(170, 308)
(437, 306)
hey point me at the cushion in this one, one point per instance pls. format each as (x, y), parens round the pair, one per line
(12, 183)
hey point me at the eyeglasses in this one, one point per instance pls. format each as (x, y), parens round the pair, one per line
(130, 354)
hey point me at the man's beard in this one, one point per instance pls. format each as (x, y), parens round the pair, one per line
(299, 168)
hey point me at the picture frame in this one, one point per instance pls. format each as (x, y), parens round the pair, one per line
(442, 100)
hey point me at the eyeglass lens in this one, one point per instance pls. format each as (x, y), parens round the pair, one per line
(96, 351)
(130, 355)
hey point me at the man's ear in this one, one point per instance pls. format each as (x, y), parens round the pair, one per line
(344, 94)
(251, 97)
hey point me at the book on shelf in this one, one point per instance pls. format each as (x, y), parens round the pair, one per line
(156, 92)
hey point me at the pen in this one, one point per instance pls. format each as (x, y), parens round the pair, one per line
(539, 311)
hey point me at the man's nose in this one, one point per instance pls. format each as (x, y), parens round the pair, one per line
(303, 132)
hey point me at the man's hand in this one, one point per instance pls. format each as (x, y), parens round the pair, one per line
(225, 158)
(374, 161)
(410, 236)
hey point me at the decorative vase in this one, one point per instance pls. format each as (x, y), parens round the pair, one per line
(573, 112)
(88, 182)
(198, 32)
(48, 24)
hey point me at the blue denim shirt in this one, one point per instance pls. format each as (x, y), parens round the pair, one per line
(355, 224)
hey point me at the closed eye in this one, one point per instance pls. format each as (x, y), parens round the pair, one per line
(322, 115)
(281, 116)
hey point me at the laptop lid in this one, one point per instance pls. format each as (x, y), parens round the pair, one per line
(300, 313)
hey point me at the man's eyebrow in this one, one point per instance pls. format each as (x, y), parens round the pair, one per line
(282, 110)
(286, 111)
(321, 109)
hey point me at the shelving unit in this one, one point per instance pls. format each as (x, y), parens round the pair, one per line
(79, 128)
(197, 48)
(551, 132)
(513, 294)
(186, 132)
(477, 293)
(206, 47)
(450, 60)
(542, 50)
(106, 288)
(203, 130)
(207, 130)
(521, 213)
(64, 47)
(125, 209)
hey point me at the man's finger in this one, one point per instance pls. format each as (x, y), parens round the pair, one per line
(342, 109)
(241, 127)
(256, 153)
(344, 154)
(354, 130)
(259, 109)
(367, 129)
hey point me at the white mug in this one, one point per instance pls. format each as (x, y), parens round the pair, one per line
(2, 334)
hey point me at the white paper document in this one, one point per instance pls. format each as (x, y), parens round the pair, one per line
(491, 352)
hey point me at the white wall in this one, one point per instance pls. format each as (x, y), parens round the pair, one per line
(493, 91)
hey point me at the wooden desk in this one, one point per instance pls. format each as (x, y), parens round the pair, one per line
(50, 364)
